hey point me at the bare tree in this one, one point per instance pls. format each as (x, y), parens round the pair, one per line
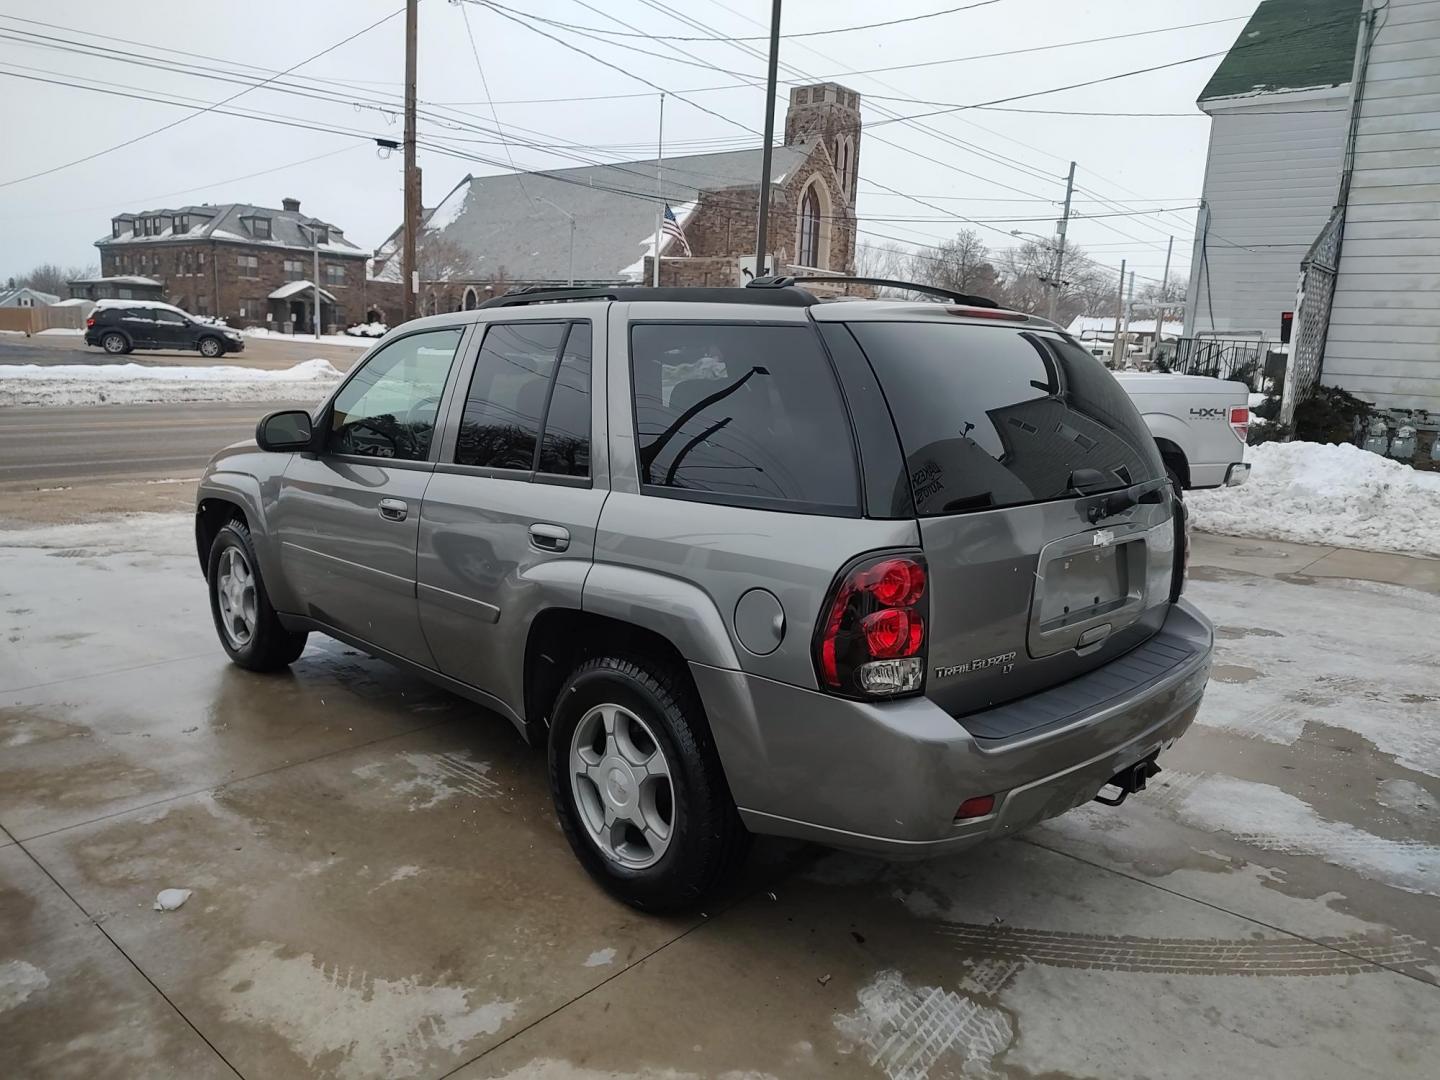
(1028, 271)
(51, 278)
(1164, 301)
(443, 266)
(962, 264)
(888, 260)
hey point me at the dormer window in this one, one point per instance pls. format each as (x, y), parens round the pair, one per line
(259, 227)
(119, 227)
(182, 224)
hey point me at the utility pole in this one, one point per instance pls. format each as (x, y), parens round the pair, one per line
(1119, 313)
(1164, 298)
(408, 268)
(1059, 282)
(315, 243)
(761, 267)
(1129, 305)
(659, 191)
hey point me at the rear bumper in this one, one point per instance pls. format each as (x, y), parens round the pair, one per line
(1224, 474)
(887, 778)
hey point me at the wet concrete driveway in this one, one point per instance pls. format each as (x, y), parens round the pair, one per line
(379, 888)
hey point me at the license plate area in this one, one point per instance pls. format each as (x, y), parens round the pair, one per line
(1088, 583)
(1086, 587)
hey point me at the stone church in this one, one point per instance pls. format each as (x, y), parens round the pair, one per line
(492, 233)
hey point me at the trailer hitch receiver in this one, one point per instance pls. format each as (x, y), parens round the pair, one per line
(1129, 781)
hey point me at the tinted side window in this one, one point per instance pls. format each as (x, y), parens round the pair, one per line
(503, 409)
(743, 415)
(388, 409)
(995, 416)
(565, 448)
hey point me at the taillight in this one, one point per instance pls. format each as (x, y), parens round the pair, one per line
(89, 322)
(871, 638)
(1182, 549)
(1240, 421)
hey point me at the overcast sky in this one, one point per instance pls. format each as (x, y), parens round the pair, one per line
(987, 164)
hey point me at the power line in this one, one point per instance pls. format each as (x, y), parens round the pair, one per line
(201, 187)
(485, 85)
(766, 37)
(200, 112)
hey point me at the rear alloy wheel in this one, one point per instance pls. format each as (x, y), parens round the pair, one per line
(638, 784)
(621, 783)
(115, 344)
(211, 347)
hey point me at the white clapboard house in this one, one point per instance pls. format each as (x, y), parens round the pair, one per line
(1321, 201)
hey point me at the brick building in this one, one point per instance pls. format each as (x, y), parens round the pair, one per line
(494, 232)
(252, 265)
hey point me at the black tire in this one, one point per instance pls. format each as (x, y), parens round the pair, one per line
(115, 343)
(1171, 472)
(270, 646)
(708, 842)
(211, 347)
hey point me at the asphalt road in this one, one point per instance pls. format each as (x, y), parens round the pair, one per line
(259, 352)
(64, 446)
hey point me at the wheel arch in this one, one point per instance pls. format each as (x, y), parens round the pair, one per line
(562, 638)
(222, 497)
(1174, 457)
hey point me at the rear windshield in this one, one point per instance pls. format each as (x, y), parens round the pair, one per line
(1002, 416)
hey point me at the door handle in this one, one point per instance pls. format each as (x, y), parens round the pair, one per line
(549, 537)
(394, 509)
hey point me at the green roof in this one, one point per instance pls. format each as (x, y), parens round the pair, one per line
(1290, 45)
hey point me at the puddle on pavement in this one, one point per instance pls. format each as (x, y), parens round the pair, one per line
(1235, 673)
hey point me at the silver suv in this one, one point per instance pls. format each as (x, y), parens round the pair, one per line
(896, 577)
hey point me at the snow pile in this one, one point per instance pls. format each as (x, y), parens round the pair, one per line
(369, 329)
(132, 384)
(324, 339)
(1314, 493)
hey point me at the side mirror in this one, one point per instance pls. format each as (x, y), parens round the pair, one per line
(287, 430)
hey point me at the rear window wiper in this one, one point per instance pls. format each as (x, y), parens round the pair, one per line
(1117, 502)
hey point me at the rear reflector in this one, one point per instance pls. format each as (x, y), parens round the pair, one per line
(979, 806)
(1240, 421)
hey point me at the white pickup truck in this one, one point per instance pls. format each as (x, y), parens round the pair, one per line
(1199, 425)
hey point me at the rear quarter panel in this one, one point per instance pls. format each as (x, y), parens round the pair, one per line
(1192, 413)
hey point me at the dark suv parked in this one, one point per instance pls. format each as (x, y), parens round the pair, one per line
(895, 577)
(119, 326)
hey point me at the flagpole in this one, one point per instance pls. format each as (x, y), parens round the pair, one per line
(659, 187)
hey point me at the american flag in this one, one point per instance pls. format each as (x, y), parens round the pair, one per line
(671, 227)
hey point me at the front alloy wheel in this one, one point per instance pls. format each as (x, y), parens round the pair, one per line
(235, 594)
(211, 347)
(621, 783)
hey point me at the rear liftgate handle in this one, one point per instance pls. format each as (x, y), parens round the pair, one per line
(549, 537)
(394, 509)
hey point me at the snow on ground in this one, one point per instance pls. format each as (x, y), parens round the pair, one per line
(132, 384)
(1313, 493)
(1274, 820)
(61, 331)
(1353, 655)
(258, 332)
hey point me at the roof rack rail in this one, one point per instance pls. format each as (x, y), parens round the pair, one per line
(543, 294)
(781, 282)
